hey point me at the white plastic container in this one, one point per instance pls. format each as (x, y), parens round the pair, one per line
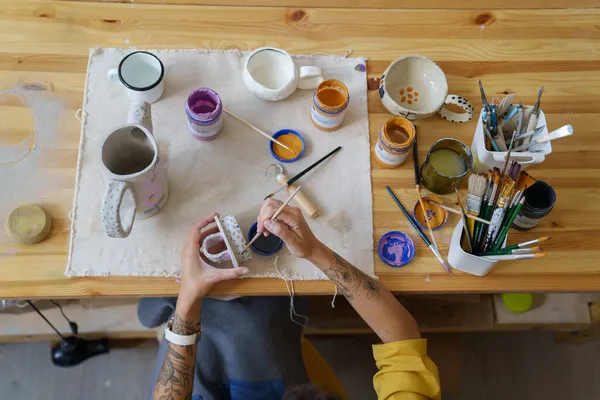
(465, 262)
(484, 160)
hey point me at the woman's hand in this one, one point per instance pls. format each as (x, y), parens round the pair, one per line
(197, 275)
(290, 226)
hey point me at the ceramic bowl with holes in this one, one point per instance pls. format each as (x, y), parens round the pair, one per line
(413, 87)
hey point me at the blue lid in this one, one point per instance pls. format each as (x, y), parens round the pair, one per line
(286, 132)
(264, 245)
(396, 249)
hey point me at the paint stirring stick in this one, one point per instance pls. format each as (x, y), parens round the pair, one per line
(261, 132)
(435, 252)
(279, 210)
(303, 172)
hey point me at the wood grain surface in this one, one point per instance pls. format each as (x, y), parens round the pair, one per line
(513, 51)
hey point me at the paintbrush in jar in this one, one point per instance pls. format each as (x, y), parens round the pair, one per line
(482, 211)
(528, 243)
(489, 208)
(508, 220)
(477, 186)
(510, 257)
(499, 212)
(528, 250)
(468, 239)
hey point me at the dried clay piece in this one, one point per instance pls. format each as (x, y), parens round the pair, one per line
(28, 224)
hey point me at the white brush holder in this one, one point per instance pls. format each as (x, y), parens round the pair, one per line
(465, 262)
(484, 160)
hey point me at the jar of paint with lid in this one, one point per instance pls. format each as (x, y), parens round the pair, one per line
(396, 138)
(204, 112)
(539, 201)
(330, 101)
(448, 162)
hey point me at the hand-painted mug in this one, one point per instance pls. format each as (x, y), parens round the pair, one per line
(135, 177)
(230, 235)
(272, 75)
(142, 75)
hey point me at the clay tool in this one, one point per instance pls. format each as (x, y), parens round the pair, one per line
(477, 186)
(510, 257)
(418, 187)
(468, 240)
(533, 119)
(499, 139)
(260, 131)
(435, 252)
(484, 101)
(279, 210)
(506, 104)
(490, 138)
(303, 172)
(455, 211)
(528, 243)
(530, 133)
(308, 207)
(559, 133)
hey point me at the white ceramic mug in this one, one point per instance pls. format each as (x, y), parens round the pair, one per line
(135, 177)
(272, 75)
(231, 235)
(142, 75)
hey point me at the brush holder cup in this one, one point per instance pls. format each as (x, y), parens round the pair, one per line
(459, 259)
(485, 159)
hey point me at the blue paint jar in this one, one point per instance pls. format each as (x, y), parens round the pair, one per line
(264, 245)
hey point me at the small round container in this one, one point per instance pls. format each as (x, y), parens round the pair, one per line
(264, 245)
(396, 138)
(539, 201)
(279, 153)
(448, 162)
(204, 112)
(396, 249)
(437, 215)
(330, 100)
(518, 302)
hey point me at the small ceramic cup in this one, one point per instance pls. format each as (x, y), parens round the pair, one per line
(142, 75)
(136, 179)
(231, 235)
(413, 87)
(272, 75)
(204, 112)
(330, 101)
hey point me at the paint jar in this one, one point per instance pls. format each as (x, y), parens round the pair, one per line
(264, 245)
(396, 249)
(205, 113)
(459, 259)
(396, 138)
(437, 215)
(291, 139)
(539, 201)
(448, 162)
(330, 100)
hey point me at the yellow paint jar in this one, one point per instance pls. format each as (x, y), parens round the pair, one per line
(330, 100)
(396, 138)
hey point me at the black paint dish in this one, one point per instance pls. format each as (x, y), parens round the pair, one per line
(264, 245)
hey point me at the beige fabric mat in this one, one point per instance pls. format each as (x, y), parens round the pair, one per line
(227, 174)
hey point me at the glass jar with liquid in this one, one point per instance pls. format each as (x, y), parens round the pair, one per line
(448, 162)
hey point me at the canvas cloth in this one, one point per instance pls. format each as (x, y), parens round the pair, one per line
(226, 175)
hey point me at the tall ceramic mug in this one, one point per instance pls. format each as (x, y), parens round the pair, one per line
(272, 75)
(135, 177)
(142, 75)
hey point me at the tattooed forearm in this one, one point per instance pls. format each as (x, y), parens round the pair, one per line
(351, 280)
(176, 376)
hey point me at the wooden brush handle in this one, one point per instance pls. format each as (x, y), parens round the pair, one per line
(308, 207)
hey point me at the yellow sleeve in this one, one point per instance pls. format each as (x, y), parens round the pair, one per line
(405, 371)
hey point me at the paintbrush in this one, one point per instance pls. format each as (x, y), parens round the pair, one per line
(279, 210)
(512, 214)
(528, 243)
(418, 187)
(455, 211)
(510, 257)
(261, 132)
(533, 119)
(303, 172)
(477, 186)
(489, 208)
(501, 252)
(468, 240)
(482, 211)
(435, 252)
(498, 214)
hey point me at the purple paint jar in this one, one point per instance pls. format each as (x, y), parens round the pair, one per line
(205, 113)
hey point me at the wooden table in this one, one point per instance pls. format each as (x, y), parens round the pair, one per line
(513, 51)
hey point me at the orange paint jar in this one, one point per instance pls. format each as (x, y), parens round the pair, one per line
(396, 138)
(329, 105)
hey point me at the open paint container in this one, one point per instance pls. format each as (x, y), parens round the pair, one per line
(264, 245)
(437, 215)
(396, 249)
(291, 139)
(204, 112)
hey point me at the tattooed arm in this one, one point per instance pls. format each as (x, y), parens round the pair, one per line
(373, 302)
(176, 376)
